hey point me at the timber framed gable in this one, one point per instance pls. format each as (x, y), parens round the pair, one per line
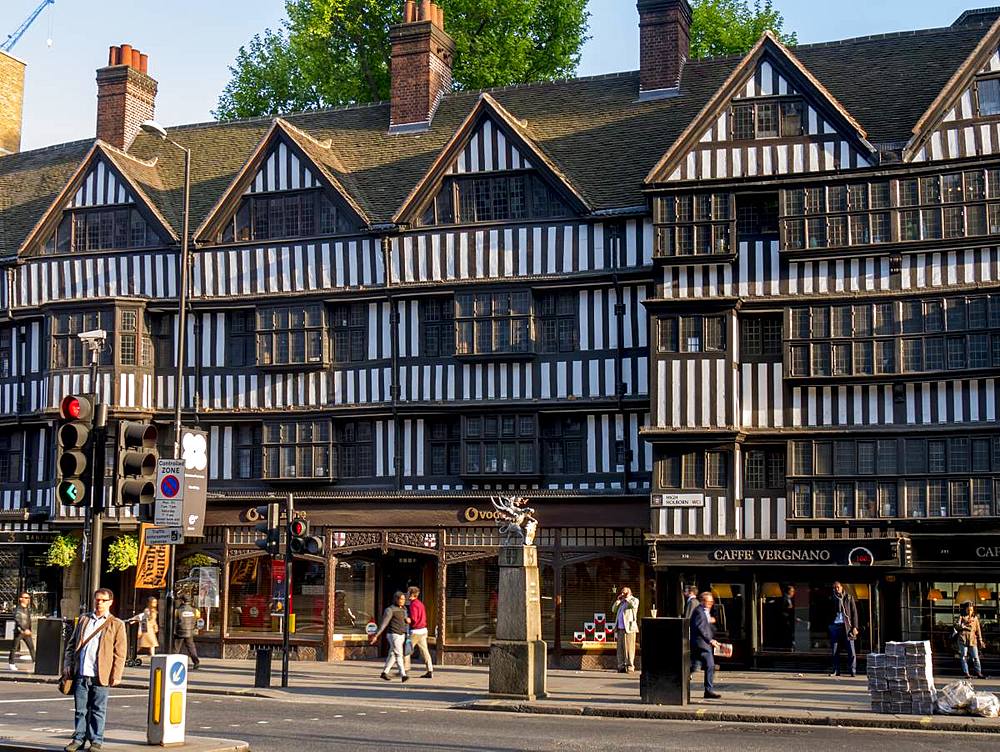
(286, 159)
(964, 119)
(105, 179)
(771, 117)
(489, 140)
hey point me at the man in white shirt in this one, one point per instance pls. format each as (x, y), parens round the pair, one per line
(626, 611)
(95, 659)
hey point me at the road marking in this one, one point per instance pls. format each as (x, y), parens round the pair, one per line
(262, 723)
(234, 725)
(33, 700)
(338, 716)
(361, 714)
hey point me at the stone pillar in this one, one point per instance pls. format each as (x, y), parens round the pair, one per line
(518, 653)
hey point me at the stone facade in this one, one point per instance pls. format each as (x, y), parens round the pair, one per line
(11, 102)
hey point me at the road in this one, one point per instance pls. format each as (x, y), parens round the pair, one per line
(276, 726)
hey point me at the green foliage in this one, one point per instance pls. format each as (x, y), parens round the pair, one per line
(123, 553)
(198, 560)
(732, 27)
(62, 550)
(334, 52)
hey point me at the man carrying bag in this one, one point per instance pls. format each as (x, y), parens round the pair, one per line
(94, 662)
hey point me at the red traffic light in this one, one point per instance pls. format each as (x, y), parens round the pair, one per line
(75, 408)
(298, 527)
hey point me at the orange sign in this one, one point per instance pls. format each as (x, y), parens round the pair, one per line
(151, 570)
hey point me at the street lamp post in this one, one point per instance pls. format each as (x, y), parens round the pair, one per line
(153, 128)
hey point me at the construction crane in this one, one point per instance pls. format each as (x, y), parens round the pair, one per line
(15, 37)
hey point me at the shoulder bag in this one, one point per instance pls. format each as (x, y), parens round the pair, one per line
(66, 683)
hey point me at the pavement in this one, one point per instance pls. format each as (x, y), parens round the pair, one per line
(748, 697)
(30, 740)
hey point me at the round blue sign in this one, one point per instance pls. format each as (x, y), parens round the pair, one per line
(170, 486)
(177, 673)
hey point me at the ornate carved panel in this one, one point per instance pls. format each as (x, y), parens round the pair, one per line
(457, 555)
(344, 542)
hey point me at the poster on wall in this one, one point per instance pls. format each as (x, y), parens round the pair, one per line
(152, 565)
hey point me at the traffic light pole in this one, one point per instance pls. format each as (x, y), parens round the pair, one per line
(286, 622)
(95, 509)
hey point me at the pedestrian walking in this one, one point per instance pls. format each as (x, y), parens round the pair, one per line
(626, 611)
(185, 623)
(970, 639)
(843, 628)
(690, 600)
(703, 642)
(149, 627)
(418, 628)
(22, 630)
(95, 660)
(394, 625)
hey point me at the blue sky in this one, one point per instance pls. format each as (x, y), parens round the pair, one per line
(191, 42)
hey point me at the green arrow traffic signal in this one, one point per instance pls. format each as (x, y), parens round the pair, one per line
(71, 492)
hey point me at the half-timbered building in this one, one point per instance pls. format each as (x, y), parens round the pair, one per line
(727, 322)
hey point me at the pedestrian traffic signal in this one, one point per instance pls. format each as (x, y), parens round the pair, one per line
(137, 456)
(268, 514)
(76, 422)
(299, 540)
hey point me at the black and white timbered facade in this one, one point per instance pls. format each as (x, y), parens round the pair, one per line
(742, 333)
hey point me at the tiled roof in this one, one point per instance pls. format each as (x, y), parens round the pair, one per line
(593, 129)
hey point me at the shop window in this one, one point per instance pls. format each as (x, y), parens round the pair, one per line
(930, 611)
(297, 450)
(590, 587)
(557, 322)
(247, 448)
(471, 597)
(291, 335)
(562, 445)
(445, 447)
(11, 457)
(309, 598)
(353, 448)
(252, 593)
(488, 323)
(437, 320)
(349, 329)
(500, 445)
(68, 350)
(354, 599)
(795, 615)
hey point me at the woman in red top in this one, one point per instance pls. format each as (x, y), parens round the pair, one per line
(418, 628)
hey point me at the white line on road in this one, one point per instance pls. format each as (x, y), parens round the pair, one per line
(33, 700)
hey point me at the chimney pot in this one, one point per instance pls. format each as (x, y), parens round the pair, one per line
(440, 17)
(425, 10)
(126, 96)
(664, 44)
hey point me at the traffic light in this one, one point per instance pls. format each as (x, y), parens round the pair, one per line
(137, 456)
(76, 422)
(299, 540)
(268, 515)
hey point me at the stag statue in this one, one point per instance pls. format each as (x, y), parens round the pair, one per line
(515, 519)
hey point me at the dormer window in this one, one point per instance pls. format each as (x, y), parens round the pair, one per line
(278, 216)
(103, 229)
(494, 198)
(988, 96)
(767, 119)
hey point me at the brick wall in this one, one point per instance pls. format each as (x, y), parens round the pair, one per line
(664, 41)
(421, 71)
(126, 96)
(11, 102)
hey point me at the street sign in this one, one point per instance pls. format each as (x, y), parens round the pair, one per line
(194, 452)
(169, 510)
(164, 536)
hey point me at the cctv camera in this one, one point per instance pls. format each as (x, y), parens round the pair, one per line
(93, 335)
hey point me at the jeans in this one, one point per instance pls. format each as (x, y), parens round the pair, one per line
(706, 657)
(966, 650)
(185, 645)
(396, 642)
(839, 640)
(17, 642)
(91, 704)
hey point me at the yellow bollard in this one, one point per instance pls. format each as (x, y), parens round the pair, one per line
(291, 624)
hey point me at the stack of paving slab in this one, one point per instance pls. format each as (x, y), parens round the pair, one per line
(901, 680)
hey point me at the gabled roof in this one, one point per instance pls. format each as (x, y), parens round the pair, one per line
(318, 154)
(602, 139)
(767, 47)
(487, 107)
(959, 81)
(132, 172)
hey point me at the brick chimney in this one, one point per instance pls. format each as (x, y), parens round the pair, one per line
(126, 96)
(664, 41)
(420, 66)
(11, 101)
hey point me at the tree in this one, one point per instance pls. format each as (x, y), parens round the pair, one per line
(334, 52)
(732, 27)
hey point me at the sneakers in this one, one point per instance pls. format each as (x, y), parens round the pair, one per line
(427, 675)
(404, 678)
(96, 747)
(73, 746)
(26, 658)
(12, 667)
(385, 677)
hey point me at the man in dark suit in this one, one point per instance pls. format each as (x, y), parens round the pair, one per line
(703, 641)
(843, 628)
